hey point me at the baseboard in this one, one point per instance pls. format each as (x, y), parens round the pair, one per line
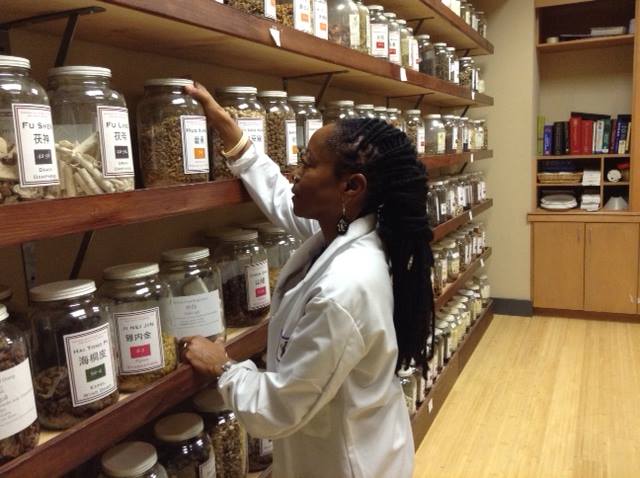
(585, 315)
(520, 308)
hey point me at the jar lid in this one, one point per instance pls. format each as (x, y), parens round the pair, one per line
(364, 107)
(135, 270)
(61, 290)
(268, 228)
(402, 22)
(483, 277)
(466, 58)
(390, 15)
(382, 109)
(467, 293)
(414, 112)
(392, 110)
(461, 298)
(341, 103)
(464, 118)
(80, 71)
(375, 7)
(186, 254)
(272, 94)
(434, 116)
(451, 48)
(239, 235)
(3, 313)
(17, 61)
(238, 89)
(132, 458)
(5, 292)
(217, 233)
(424, 36)
(303, 99)
(448, 116)
(440, 45)
(179, 427)
(209, 401)
(405, 372)
(168, 82)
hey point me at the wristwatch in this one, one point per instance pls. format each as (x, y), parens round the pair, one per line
(227, 365)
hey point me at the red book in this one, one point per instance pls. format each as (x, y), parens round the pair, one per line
(575, 135)
(586, 137)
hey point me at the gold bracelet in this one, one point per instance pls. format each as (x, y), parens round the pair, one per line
(242, 142)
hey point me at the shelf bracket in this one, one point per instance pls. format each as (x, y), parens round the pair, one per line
(328, 77)
(87, 237)
(418, 102)
(28, 250)
(464, 112)
(420, 21)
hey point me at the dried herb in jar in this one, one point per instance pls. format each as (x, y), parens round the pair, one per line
(132, 383)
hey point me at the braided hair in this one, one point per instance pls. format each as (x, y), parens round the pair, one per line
(397, 192)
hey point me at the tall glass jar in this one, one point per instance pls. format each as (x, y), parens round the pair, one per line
(420, 382)
(297, 14)
(442, 61)
(451, 136)
(395, 55)
(482, 138)
(195, 306)
(466, 310)
(379, 32)
(485, 289)
(365, 27)
(135, 299)
(466, 72)
(91, 127)
(282, 140)
(474, 17)
(395, 118)
(440, 344)
(435, 134)
(308, 118)
(405, 44)
(440, 188)
(443, 327)
(28, 162)
(440, 272)
(241, 102)
(344, 23)
(134, 459)
(454, 66)
(185, 449)
(415, 51)
(449, 323)
(461, 244)
(465, 133)
(265, 8)
(414, 128)
(338, 110)
(452, 198)
(172, 135)
(19, 428)
(276, 242)
(409, 388)
(453, 260)
(427, 55)
(16, 318)
(365, 111)
(381, 113)
(465, 12)
(245, 277)
(433, 209)
(228, 436)
(482, 23)
(75, 353)
(482, 186)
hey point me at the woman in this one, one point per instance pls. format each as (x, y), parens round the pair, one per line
(340, 326)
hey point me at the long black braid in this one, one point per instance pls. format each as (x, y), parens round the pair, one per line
(397, 192)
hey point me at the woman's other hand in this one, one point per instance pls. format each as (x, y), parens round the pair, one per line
(205, 356)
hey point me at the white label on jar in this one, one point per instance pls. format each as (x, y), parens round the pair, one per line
(199, 314)
(91, 368)
(443, 209)
(455, 71)
(115, 142)
(311, 126)
(270, 9)
(208, 468)
(454, 138)
(257, 281)
(139, 341)
(302, 16)
(462, 195)
(479, 139)
(195, 151)
(442, 142)
(485, 291)
(421, 140)
(17, 401)
(415, 54)
(320, 19)
(354, 28)
(35, 145)
(292, 142)
(380, 40)
(266, 447)
(444, 269)
(394, 47)
(255, 130)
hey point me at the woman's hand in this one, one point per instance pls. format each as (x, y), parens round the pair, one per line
(205, 356)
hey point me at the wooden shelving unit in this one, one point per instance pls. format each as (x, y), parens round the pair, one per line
(447, 160)
(583, 156)
(452, 288)
(586, 43)
(448, 227)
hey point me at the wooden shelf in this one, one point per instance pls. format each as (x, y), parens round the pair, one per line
(427, 412)
(208, 32)
(447, 160)
(585, 44)
(584, 156)
(621, 183)
(447, 227)
(30, 221)
(60, 452)
(453, 287)
(565, 185)
(555, 3)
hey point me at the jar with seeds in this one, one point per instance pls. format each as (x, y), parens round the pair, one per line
(414, 128)
(279, 248)
(282, 141)
(308, 118)
(264, 8)
(365, 27)
(172, 135)
(296, 14)
(133, 459)
(427, 54)
(91, 127)
(442, 61)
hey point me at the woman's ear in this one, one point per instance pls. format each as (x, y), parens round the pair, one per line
(356, 185)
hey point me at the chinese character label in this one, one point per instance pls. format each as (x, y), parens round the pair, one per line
(380, 40)
(195, 149)
(139, 341)
(257, 280)
(321, 19)
(115, 142)
(255, 130)
(17, 402)
(199, 314)
(302, 16)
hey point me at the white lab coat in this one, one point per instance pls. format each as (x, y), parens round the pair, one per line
(330, 399)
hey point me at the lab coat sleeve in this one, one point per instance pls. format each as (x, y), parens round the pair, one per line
(271, 191)
(323, 348)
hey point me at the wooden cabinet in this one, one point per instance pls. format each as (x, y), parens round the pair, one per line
(611, 268)
(558, 265)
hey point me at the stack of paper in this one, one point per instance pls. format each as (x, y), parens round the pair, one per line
(590, 202)
(591, 177)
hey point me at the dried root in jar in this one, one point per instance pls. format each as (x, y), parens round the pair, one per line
(229, 441)
(277, 136)
(133, 383)
(285, 14)
(253, 7)
(236, 308)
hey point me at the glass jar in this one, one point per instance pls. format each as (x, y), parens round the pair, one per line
(440, 269)
(482, 138)
(433, 207)
(485, 289)
(454, 67)
(452, 327)
(466, 310)
(440, 348)
(435, 134)
(265, 8)
(409, 388)
(308, 119)
(195, 306)
(381, 113)
(460, 134)
(465, 12)
(451, 134)
(474, 17)
(136, 300)
(405, 44)
(432, 364)
(465, 133)
(395, 55)
(339, 110)
(453, 260)
(414, 128)
(442, 61)
(461, 243)
(245, 277)
(482, 23)
(172, 135)
(481, 231)
(427, 55)
(365, 27)
(134, 459)
(16, 318)
(282, 140)
(320, 19)
(457, 325)
(260, 454)
(473, 189)
(344, 23)
(463, 189)
(29, 168)
(228, 436)
(296, 14)
(74, 353)
(279, 248)
(475, 302)
(466, 72)
(414, 57)
(482, 186)
(365, 111)
(452, 198)
(379, 32)
(440, 189)
(395, 118)
(445, 331)
(241, 102)
(19, 428)
(421, 384)
(91, 127)
(456, 188)
(185, 449)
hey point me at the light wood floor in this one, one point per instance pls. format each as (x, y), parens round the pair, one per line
(542, 397)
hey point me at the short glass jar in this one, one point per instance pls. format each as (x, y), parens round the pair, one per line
(282, 141)
(442, 61)
(440, 269)
(339, 110)
(344, 23)
(365, 27)
(195, 306)
(414, 129)
(379, 32)
(475, 302)
(91, 127)
(485, 289)
(427, 55)
(185, 449)
(466, 72)
(443, 327)
(136, 300)
(454, 66)
(365, 111)
(435, 134)
(453, 260)
(279, 248)
(395, 118)
(442, 195)
(452, 327)
(134, 459)
(172, 135)
(409, 388)
(482, 23)
(244, 267)
(75, 353)
(451, 134)
(381, 113)
(308, 119)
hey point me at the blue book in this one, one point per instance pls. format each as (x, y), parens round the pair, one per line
(548, 140)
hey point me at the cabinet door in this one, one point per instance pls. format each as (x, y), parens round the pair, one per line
(611, 268)
(558, 265)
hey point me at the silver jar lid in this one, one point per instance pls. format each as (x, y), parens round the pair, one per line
(268, 228)
(402, 22)
(302, 99)
(348, 103)
(365, 107)
(239, 235)
(186, 254)
(406, 372)
(392, 110)
(209, 401)
(219, 232)
(413, 112)
(16, 61)
(380, 109)
(440, 45)
(250, 90)
(168, 82)
(272, 94)
(451, 48)
(434, 116)
(62, 290)
(375, 8)
(390, 15)
(132, 458)
(80, 71)
(423, 36)
(3, 313)
(449, 116)
(179, 427)
(135, 270)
